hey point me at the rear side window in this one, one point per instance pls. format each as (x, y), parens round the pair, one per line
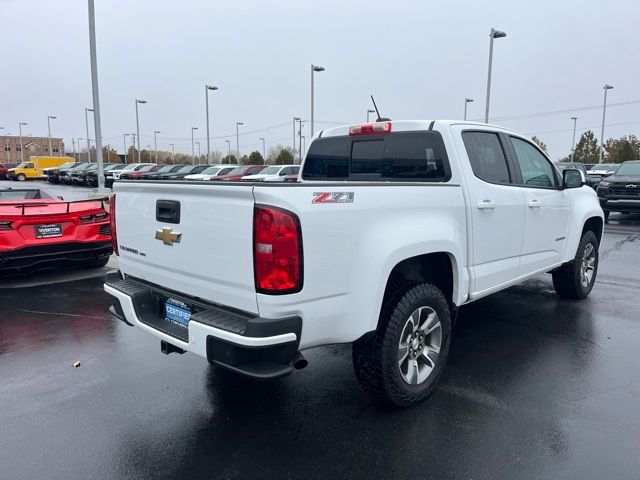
(486, 156)
(410, 156)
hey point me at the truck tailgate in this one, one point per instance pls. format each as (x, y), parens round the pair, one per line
(213, 259)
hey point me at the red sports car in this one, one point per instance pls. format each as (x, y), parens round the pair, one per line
(41, 231)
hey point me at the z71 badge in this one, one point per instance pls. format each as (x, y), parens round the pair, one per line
(333, 197)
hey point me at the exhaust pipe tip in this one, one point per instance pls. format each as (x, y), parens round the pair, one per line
(299, 362)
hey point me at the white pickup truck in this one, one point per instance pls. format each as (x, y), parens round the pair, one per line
(391, 228)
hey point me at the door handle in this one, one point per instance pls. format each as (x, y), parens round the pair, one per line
(534, 204)
(486, 205)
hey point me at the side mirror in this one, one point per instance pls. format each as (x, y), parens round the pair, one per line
(572, 178)
(59, 197)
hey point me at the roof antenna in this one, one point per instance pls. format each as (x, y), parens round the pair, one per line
(380, 119)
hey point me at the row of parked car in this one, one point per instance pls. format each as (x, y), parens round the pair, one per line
(86, 174)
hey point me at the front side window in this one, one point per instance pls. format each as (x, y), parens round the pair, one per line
(486, 156)
(536, 170)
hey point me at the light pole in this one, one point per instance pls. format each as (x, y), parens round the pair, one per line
(494, 34)
(173, 152)
(295, 119)
(368, 112)
(124, 144)
(193, 149)
(73, 142)
(96, 96)
(49, 118)
(604, 112)
(314, 68)
(467, 101)
(228, 142)
(206, 94)
(155, 144)
(264, 155)
(20, 124)
(238, 137)
(138, 125)
(573, 143)
(198, 144)
(86, 122)
(300, 138)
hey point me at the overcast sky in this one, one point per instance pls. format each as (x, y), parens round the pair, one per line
(419, 58)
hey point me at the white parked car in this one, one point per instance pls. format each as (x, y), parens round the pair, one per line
(603, 169)
(392, 227)
(274, 173)
(132, 167)
(211, 172)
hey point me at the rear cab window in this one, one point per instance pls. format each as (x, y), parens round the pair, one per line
(401, 156)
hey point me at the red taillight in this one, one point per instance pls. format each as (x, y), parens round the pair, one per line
(112, 224)
(277, 251)
(370, 129)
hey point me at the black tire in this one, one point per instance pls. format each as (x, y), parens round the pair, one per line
(376, 360)
(567, 280)
(21, 177)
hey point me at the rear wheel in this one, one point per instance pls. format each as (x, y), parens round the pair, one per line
(576, 278)
(405, 359)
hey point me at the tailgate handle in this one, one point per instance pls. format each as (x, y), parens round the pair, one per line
(168, 211)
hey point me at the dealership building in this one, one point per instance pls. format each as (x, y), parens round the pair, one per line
(11, 150)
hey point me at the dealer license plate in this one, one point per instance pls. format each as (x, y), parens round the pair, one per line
(48, 231)
(177, 312)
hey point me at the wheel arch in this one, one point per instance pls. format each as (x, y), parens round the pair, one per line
(594, 224)
(438, 268)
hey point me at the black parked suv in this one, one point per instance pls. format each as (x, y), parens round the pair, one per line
(53, 173)
(91, 178)
(63, 175)
(620, 192)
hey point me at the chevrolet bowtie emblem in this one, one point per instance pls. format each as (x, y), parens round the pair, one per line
(167, 236)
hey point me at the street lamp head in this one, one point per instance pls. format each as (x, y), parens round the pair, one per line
(316, 68)
(23, 123)
(607, 86)
(194, 128)
(211, 87)
(239, 123)
(89, 109)
(468, 100)
(52, 117)
(296, 119)
(157, 131)
(574, 118)
(497, 33)
(370, 111)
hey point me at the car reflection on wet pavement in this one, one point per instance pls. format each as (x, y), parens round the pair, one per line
(536, 387)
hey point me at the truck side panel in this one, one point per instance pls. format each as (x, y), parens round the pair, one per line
(351, 248)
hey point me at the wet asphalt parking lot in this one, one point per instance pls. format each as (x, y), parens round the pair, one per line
(536, 387)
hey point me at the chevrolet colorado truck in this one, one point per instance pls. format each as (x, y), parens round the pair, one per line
(392, 227)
